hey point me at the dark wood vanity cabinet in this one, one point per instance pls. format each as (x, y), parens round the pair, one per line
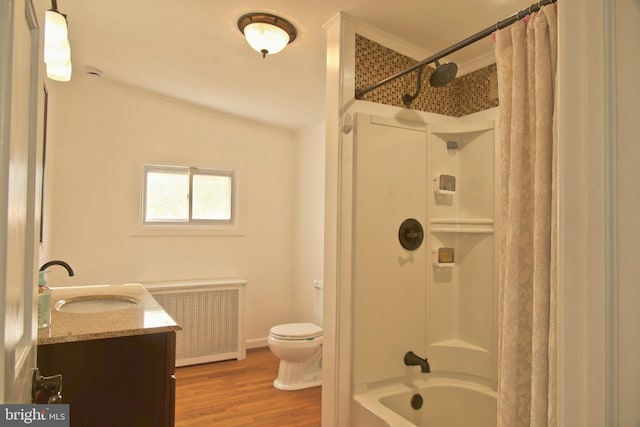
(122, 381)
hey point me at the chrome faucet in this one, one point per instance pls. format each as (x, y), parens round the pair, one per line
(411, 359)
(57, 262)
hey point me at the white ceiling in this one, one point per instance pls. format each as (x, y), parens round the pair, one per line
(193, 50)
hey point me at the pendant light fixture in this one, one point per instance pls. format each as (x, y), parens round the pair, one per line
(266, 33)
(57, 51)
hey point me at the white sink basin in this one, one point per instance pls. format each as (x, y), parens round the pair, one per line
(95, 303)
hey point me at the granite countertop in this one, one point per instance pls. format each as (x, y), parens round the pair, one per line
(144, 317)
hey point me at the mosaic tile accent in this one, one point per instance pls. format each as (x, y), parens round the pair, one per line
(466, 94)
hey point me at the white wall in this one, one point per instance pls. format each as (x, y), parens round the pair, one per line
(599, 94)
(308, 217)
(627, 206)
(100, 134)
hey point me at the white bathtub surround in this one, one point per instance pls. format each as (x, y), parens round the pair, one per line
(527, 316)
(407, 298)
(445, 402)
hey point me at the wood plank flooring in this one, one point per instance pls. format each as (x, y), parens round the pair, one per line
(240, 393)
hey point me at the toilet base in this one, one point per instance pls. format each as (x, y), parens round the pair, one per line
(299, 375)
(290, 378)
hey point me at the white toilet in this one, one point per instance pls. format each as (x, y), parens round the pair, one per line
(299, 348)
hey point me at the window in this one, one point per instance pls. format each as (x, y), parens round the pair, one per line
(176, 195)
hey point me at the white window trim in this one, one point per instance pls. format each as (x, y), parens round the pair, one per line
(234, 227)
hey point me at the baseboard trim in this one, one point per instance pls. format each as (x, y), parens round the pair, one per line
(257, 343)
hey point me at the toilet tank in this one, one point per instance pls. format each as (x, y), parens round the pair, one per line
(318, 286)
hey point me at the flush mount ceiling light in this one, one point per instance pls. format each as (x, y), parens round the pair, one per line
(268, 34)
(57, 52)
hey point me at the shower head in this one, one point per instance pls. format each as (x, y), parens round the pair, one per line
(443, 74)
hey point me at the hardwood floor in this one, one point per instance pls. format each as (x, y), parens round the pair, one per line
(238, 393)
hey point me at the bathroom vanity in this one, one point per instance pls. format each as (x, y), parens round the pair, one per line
(117, 364)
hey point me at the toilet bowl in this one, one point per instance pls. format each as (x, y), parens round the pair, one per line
(299, 348)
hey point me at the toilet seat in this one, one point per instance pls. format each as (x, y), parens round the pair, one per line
(296, 331)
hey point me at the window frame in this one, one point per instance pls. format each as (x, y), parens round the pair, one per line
(211, 172)
(232, 226)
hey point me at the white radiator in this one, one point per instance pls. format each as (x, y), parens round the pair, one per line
(211, 315)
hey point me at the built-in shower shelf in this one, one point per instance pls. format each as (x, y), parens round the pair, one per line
(461, 229)
(462, 134)
(458, 343)
(462, 225)
(444, 264)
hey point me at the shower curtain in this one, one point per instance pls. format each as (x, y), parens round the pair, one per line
(526, 57)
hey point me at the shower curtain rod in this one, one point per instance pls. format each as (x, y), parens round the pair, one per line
(464, 43)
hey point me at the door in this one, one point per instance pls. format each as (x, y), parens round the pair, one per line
(20, 143)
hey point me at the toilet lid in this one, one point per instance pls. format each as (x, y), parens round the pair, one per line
(297, 331)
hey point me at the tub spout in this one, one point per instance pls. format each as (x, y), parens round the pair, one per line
(411, 359)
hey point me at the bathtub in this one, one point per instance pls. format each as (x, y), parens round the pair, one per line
(444, 402)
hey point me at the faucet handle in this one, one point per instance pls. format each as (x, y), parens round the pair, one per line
(46, 386)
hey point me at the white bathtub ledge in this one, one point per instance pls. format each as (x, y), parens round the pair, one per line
(369, 411)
